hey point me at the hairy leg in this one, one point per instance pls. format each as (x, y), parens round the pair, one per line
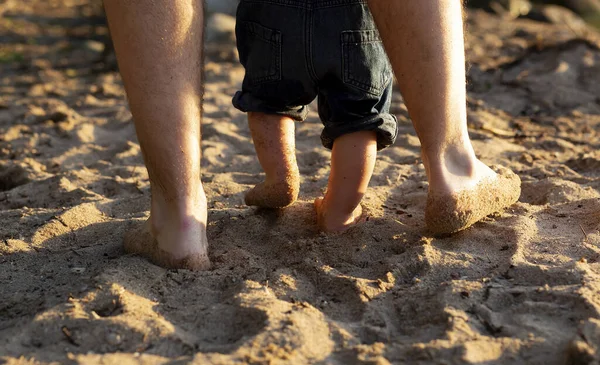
(352, 163)
(159, 50)
(274, 141)
(425, 43)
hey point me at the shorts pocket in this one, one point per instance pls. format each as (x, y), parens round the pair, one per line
(365, 63)
(260, 51)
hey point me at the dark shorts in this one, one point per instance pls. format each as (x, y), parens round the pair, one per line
(296, 50)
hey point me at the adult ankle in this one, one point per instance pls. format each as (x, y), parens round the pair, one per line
(182, 211)
(455, 159)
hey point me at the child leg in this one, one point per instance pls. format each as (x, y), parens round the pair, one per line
(274, 141)
(352, 163)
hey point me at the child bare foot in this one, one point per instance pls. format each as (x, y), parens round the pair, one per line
(274, 195)
(454, 210)
(333, 220)
(352, 162)
(273, 137)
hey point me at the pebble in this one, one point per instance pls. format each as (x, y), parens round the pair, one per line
(94, 46)
(113, 339)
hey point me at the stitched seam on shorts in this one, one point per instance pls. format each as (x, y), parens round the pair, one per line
(250, 28)
(349, 79)
(308, 44)
(349, 38)
(361, 36)
(277, 75)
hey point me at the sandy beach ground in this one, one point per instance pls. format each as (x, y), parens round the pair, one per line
(520, 287)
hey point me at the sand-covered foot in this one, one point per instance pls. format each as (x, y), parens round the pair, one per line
(274, 195)
(194, 256)
(452, 212)
(331, 221)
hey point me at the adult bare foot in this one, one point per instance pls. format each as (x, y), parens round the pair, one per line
(275, 195)
(466, 202)
(191, 252)
(332, 220)
(175, 234)
(159, 47)
(462, 190)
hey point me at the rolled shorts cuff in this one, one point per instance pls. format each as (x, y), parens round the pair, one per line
(246, 102)
(384, 124)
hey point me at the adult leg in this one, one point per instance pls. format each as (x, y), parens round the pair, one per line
(425, 43)
(352, 163)
(273, 137)
(159, 50)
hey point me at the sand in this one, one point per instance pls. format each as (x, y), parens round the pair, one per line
(520, 287)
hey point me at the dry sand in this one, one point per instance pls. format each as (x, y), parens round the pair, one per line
(519, 287)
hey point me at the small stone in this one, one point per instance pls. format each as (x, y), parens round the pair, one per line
(94, 46)
(526, 158)
(114, 339)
